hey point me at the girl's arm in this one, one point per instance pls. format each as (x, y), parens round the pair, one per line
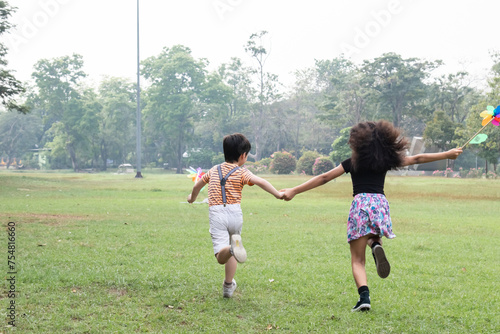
(429, 157)
(266, 185)
(196, 190)
(314, 182)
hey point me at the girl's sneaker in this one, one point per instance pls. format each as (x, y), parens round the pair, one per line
(363, 303)
(383, 266)
(227, 291)
(237, 249)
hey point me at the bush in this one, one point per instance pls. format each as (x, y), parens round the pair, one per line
(283, 163)
(266, 162)
(463, 172)
(475, 173)
(256, 167)
(306, 162)
(322, 165)
(438, 173)
(491, 175)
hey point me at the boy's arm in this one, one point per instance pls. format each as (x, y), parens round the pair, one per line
(314, 182)
(196, 190)
(429, 157)
(266, 185)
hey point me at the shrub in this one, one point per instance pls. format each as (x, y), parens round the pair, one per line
(491, 175)
(322, 165)
(256, 167)
(266, 162)
(283, 163)
(438, 173)
(463, 172)
(306, 162)
(475, 173)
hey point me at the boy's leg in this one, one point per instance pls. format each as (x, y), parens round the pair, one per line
(237, 249)
(224, 255)
(230, 265)
(230, 269)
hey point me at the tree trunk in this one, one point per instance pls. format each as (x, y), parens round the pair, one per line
(104, 156)
(72, 155)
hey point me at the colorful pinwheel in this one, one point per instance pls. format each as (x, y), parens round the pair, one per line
(195, 174)
(490, 115)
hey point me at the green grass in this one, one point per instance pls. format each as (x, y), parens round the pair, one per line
(103, 253)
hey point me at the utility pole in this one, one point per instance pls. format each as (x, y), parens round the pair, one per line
(138, 113)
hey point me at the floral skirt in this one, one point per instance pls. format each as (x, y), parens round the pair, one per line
(369, 214)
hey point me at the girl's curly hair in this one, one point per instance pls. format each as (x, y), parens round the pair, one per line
(376, 146)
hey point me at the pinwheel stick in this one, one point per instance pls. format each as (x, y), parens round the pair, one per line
(468, 141)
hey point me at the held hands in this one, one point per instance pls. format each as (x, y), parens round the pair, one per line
(288, 194)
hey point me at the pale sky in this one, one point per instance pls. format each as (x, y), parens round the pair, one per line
(459, 32)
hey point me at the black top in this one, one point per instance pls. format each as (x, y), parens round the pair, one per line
(365, 181)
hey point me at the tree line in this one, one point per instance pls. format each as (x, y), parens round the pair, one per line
(187, 109)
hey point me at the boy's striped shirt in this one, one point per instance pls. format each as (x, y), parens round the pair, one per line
(234, 184)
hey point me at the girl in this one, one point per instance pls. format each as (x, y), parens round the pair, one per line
(376, 148)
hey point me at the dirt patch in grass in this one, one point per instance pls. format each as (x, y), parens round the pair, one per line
(44, 218)
(117, 292)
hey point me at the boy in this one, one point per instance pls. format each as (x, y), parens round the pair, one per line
(225, 183)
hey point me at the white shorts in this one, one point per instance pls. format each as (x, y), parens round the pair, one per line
(224, 222)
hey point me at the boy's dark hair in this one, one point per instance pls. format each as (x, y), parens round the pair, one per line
(376, 146)
(235, 145)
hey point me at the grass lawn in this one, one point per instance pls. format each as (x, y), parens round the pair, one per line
(104, 253)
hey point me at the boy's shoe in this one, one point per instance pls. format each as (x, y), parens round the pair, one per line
(237, 249)
(383, 266)
(363, 303)
(228, 290)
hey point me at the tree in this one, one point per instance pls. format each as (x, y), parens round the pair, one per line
(399, 85)
(173, 100)
(267, 91)
(304, 125)
(223, 110)
(116, 120)
(488, 150)
(440, 131)
(10, 87)
(346, 96)
(66, 111)
(454, 95)
(18, 134)
(492, 145)
(340, 146)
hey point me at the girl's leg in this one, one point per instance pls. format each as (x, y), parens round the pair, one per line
(383, 266)
(374, 238)
(358, 248)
